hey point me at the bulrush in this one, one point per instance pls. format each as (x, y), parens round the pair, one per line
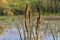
(30, 24)
(26, 17)
(38, 27)
(29, 16)
(26, 14)
(26, 11)
(39, 18)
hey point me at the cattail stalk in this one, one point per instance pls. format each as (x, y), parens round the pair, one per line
(19, 32)
(52, 34)
(30, 22)
(31, 27)
(24, 34)
(26, 17)
(38, 28)
(38, 23)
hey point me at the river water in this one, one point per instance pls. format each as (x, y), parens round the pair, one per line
(10, 32)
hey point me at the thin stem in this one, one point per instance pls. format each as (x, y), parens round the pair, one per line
(52, 34)
(19, 32)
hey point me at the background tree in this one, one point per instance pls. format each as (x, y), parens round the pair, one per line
(3, 3)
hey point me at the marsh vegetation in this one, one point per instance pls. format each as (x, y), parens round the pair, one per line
(25, 20)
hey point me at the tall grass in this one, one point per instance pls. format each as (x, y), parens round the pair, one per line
(28, 26)
(52, 33)
(38, 26)
(19, 32)
(26, 17)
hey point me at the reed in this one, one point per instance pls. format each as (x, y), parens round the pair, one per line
(26, 11)
(37, 29)
(30, 26)
(29, 16)
(24, 34)
(39, 18)
(19, 32)
(52, 34)
(26, 17)
(38, 26)
(56, 32)
(29, 29)
(46, 29)
(26, 14)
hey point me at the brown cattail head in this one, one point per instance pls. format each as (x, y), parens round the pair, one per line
(39, 18)
(29, 14)
(26, 10)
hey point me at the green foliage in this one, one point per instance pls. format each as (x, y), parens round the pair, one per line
(52, 6)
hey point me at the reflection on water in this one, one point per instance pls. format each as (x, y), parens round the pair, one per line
(2, 28)
(9, 31)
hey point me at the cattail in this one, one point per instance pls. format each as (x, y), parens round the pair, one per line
(26, 17)
(29, 16)
(37, 30)
(26, 10)
(30, 22)
(26, 26)
(38, 23)
(37, 26)
(26, 14)
(39, 17)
